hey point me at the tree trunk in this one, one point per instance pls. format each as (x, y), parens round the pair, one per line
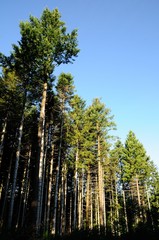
(64, 198)
(26, 189)
(88, 199)
(100, 183)
(5, 193)
(50, 189)
(139, 200)
(75, 192)
(111, 211)
(97, 212)
(10, 216)
(2, 139)
(80, 203)
(149, 207)
(57, 181)
(23, 194)
(125, 212)
(41, 127)
(117, 210)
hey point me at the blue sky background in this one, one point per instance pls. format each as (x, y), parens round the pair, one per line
(118, 61)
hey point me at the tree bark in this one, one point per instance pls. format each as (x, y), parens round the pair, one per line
(53, 231)
(75, 191)
(2, 139)
(41, 143)
(10, 216)
(100, 182)
(125, 212)
(5, 193)
(88, 199)
(50, 189)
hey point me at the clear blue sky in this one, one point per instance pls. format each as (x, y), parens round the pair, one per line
(118, 61)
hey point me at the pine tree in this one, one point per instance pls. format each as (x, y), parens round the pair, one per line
(135, 172)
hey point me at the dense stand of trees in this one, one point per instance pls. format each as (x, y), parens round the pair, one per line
(61, 170)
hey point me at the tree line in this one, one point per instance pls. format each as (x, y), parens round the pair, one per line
(62, 169)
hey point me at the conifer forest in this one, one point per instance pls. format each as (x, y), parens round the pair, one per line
(64, 174)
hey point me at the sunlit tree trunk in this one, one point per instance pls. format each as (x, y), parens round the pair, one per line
(104, 206)
(138, 197)
(41, 143)
(117, 211)
(79, 206)
(125, 212)
(100, 182)
(88, 199)
(91, 209)
(75, 191)
(149, 207)
(63, 201)
(80, 201)
(2, 141)
(97, 205)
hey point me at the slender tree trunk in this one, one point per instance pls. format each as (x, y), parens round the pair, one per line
(75, 191)
(138, 192)
(117, 210)
(26, 189)
(80, 203)
(5, 193)
(57, 181)
(63, 225)
(149, 207)
(88, 199)
(100, 182)
(50, 189)
(46, 199)
(10, 216)
(111, 212)
(104, 202)
(41, 127)
(1, 150)
(138, 197)
(22, 192)
(62, 198)
(2, 139)
(70, 215)
(125, 212)
(91, 209)
(46, 176)
(97, 205)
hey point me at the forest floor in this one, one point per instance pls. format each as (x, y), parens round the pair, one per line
(139, 234)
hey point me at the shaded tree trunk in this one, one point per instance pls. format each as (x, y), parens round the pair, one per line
(53, 231)
(10, 215)
(50, 189)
